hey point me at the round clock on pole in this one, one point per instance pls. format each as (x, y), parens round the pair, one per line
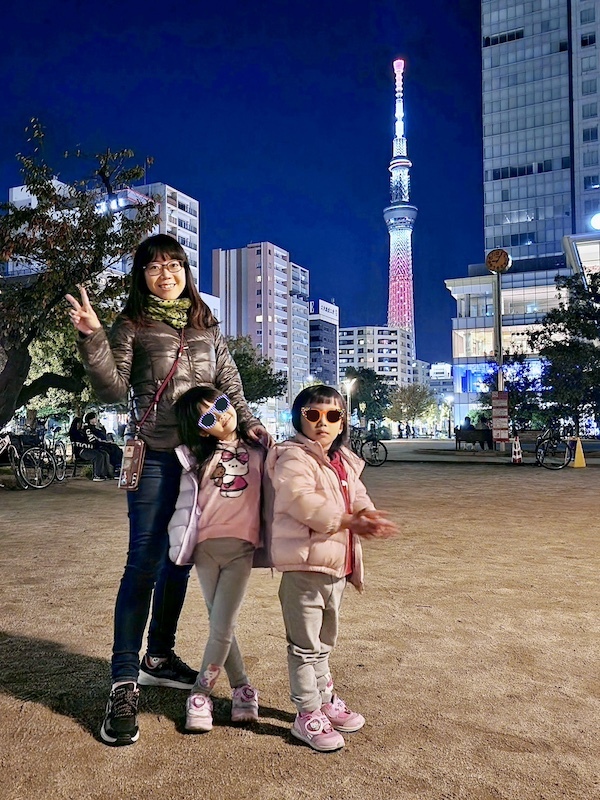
(498, 260)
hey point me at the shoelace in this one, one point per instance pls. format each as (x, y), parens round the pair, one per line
(125, 702)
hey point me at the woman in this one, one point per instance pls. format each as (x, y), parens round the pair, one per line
(85, 451)
(137, 356)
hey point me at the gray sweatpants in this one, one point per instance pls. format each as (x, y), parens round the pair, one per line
(310, 602)
(223, 567)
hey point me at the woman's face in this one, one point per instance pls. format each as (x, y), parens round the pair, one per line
(164, 284)
(323, 430)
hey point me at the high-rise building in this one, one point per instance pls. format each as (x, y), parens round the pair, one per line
(388, 351)
(324, 321)
(540, 123)
(179, 215)
(264, 295)
(400, 217)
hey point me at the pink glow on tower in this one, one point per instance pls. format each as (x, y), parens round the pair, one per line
(400, 216)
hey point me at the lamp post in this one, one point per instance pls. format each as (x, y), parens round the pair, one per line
(498, 261)
(348, 384)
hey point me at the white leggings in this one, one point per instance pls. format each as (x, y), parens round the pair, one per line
(223, 566)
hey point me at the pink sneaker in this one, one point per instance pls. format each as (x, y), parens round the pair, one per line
(315, 730)
(198, 713)
(244, 705)
(341, 717)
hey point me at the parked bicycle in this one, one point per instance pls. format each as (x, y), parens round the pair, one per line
(44, 463)
(8, 446)
(552, 450)
(368, 447)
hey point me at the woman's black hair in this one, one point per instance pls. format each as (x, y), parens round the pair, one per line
(162, 245)
(74, 427)
(187, 414)
(321, 394)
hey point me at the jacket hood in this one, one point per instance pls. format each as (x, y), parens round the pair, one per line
(186, 458)
(314, 449)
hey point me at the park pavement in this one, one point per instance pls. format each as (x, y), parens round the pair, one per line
(473, 652)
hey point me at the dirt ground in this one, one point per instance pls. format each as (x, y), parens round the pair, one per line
(473, 654)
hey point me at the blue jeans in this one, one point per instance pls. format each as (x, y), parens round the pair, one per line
(149, 568)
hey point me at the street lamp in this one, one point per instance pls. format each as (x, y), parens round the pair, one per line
(348, 384)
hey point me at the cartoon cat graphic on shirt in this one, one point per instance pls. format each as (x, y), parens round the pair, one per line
(227, 475)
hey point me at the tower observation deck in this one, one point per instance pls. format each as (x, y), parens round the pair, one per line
(400, 217)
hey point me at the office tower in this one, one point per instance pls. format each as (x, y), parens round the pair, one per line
(400, 217)
(388, 351)
(324, 321)
(179, 215)
(540, 123)
(264, 295)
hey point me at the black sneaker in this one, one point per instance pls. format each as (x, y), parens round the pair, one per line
(120, 720)
(171, 672)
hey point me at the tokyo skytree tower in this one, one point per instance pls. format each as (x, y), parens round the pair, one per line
(400, 217)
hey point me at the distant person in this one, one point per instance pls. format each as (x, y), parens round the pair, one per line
(321, 511)
(467, 425)
(97, 436)
(85, 451)
(483, 424)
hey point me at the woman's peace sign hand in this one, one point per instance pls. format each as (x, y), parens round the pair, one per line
(82, 315)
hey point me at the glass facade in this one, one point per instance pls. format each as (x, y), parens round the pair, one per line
(540, 127)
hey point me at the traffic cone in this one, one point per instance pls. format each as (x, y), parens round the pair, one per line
(517, 453)
(579, 460)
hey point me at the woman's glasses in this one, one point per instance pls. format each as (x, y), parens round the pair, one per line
(156, 267)
(209, 418)
(314, 415)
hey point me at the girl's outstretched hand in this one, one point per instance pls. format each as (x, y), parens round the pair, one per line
(372, 524)
(82, 315)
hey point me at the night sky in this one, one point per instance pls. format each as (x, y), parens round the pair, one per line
(278, 117)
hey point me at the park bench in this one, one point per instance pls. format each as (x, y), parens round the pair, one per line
(474, 436)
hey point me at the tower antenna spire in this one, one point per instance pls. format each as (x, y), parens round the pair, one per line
(400, 217)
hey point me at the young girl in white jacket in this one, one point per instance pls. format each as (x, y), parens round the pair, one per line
(321, 509)
(216, 526)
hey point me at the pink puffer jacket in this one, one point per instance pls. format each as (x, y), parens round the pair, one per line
(308, 507)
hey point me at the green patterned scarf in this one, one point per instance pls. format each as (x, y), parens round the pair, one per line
(173, 312)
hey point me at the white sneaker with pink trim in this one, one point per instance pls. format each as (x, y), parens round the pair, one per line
(198, 713)
(244, 704)
(314, 729)
(341, 717)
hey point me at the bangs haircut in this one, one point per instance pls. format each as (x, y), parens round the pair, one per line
(321, 394)
(187, 414)
(152, 249)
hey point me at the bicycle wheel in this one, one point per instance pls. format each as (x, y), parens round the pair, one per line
(60, 456)
(13, 457)
(374, 453)
(553, 454)
(37, 467)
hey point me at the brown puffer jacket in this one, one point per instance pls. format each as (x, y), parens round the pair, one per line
(141, 358)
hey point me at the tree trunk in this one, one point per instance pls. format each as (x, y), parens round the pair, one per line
(15, 363)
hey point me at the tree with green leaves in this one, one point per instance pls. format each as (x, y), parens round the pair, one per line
(370, 392)
(522, 383)
(64, 240)
(259, 380)
(410, 402)
(568, 344)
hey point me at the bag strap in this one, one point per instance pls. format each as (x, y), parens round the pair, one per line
(153, 405)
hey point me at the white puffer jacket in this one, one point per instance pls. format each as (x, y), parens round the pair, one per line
(308, 507)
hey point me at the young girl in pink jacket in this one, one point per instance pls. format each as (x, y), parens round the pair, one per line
(217, 526)
(321, 511)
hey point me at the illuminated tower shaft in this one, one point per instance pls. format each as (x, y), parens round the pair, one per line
(400, 217)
